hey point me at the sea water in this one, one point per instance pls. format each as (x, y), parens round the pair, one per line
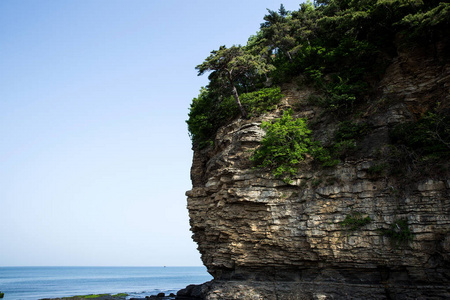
(50, 282)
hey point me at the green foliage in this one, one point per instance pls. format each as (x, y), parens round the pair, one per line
(354, 221)
(207, 113)
(347, 40)
(285, 145)
(261, 101)
(398, 232)
(345, 143)
(344, 148)
(2, 295)
(340, 45)
(346, 136)
(346, 64)
(234, 62)
(349, 130)
(421, 148)
(231, 64)
(425, 22)
(287, 142)
(324, 155)
(377, 169)
(429, 136)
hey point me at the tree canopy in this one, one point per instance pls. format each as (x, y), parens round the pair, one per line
(339, 45)
(232, 64)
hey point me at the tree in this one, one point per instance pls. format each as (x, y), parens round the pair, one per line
(277, 31)
(233, 63)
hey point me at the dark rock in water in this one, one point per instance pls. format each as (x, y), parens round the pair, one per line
(96, 297)
(191, 292)
(161, 296)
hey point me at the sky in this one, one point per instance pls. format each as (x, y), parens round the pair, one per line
(94, 149)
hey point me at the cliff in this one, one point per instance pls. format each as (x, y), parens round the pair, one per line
(374, 226)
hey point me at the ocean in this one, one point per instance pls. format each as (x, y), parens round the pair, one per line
(49, 282)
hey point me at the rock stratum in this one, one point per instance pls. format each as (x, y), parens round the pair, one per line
(262, 238)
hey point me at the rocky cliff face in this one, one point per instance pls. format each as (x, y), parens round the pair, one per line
(264, 239)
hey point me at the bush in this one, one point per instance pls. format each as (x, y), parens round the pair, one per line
(344, 148)
(398, 232)
(209, 111)
(324, 155)
(378, 169)
(349, 131)
(262, 101)
(354, 221)
(429, 136)
(345, 143)
(285, 145)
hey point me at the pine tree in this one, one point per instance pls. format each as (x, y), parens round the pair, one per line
(233, 63)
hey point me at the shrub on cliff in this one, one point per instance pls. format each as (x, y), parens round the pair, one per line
(261, 101)
(287, 142)
(207, 113)
(210, 110)
(429, 136)
(398, 232)
(421, 147)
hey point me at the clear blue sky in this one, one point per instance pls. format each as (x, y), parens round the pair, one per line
(94, 150)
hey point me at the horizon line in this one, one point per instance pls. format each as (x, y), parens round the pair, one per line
(67, 266)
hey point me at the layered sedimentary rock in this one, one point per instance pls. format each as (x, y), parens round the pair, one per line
(262, 238)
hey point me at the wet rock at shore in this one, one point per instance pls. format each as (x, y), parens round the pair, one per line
(191, 292)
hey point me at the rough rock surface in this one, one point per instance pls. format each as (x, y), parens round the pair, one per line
(264, 239)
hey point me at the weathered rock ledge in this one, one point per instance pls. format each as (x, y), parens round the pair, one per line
(285, 290)
(264, 239)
